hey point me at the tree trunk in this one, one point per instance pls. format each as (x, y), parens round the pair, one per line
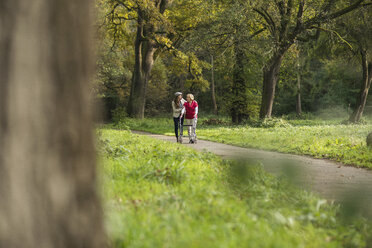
(47, 154)
(363, 93)
(144, 60)
(145, 49)
(270, 78)
(298, 96)
(215, 110)
(239, 88)
(298, 102)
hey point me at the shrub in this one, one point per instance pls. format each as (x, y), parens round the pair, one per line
(303, 116)
(119, 114)
(269, 123)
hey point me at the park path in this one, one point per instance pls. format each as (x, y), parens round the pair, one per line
(331, 180)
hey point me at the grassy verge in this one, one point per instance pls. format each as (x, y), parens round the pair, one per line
(317, 138)
(159, 194)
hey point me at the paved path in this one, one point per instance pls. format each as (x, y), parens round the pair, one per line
(329, 179)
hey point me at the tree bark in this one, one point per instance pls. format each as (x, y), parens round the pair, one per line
(47, 154)
(215, 110)
(363, 93)
(270, 79)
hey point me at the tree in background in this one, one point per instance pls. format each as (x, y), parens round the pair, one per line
(47, 155)
(160, 26)
(358, 31)
(226, 36)
(288, 21)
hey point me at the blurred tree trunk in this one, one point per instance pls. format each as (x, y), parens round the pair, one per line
(363, 93)
(47, 156)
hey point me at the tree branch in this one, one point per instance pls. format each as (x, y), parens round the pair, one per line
(337, 34)
(299, 16)
(121, 3)
(322, 18)
(345, 10)
(268, 20)
(280, 6)
(289, 8)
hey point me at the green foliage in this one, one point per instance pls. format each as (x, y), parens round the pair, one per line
(303, 116)
(118, 115)
(269, 123)
(157, 101)
(328, 87)
(187, 65)
(159, 194)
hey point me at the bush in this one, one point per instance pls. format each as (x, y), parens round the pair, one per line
(303, 116)
(119, 114)
(269, 123)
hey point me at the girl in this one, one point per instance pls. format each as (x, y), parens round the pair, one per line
(177, 106)
(191, 107)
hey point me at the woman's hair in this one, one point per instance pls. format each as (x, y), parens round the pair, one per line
(177, 101)
(191, 96)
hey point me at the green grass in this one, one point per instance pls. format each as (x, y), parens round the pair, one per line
(159, 194)
(317, 138)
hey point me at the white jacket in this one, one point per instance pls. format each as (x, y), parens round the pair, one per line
(177, 109)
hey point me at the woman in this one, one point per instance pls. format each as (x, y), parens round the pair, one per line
(177, 106)
(191, 107)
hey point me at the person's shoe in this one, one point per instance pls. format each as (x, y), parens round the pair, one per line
(177, 139)
(191, 142)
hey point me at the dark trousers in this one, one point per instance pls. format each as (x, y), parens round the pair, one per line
(176, 124)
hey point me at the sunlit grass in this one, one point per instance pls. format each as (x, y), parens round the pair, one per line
(318, 138)
(159, 194)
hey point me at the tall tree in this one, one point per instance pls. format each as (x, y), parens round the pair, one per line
(213, 91)
(47, 155)
(228, 30)
(156, 31)
(288, 21)
(298, 86)
(145, 48)
(358, 31)
(149, 23)
(239, 87)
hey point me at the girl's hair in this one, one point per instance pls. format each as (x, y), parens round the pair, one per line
(191, 96)
(177, 101)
